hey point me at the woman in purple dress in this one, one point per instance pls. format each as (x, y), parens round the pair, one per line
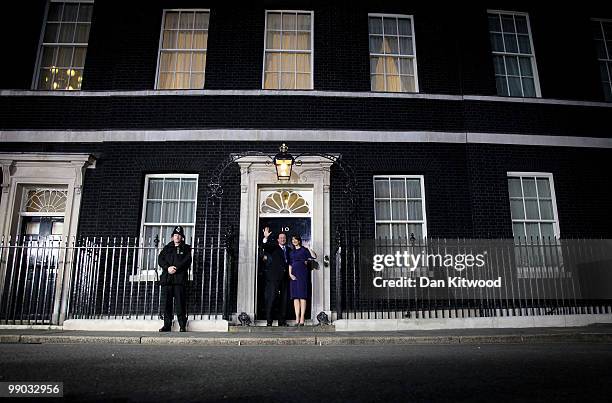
(300, 277)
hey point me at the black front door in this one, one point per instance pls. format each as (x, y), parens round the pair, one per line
(290, 226)
(30, 282)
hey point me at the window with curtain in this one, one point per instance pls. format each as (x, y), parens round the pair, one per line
(169, 200)
(513, 55)
(535, 225)
(63, 45)
(182, 49)
(392, 57)
(288, 50)
(532, 206)
(399, 207)
(602, 33)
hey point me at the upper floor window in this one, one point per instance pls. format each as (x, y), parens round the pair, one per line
(602, 32)
(182, 49)
(63, 45)
(399, 207)
(393, 66)
(288, 47)
(516, 73)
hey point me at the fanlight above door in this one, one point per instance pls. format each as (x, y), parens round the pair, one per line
(284, 202)
(45, 201)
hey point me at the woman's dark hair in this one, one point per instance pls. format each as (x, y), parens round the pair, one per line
(298, 238)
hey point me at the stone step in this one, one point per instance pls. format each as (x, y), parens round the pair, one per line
(262, 328)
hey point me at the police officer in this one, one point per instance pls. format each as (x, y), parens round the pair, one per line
(175, 260)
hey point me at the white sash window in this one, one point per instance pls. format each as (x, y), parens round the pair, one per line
(63, 45)
(516, 73)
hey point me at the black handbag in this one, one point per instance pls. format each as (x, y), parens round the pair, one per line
(312, 264)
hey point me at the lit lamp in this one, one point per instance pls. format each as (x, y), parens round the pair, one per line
(283, 161)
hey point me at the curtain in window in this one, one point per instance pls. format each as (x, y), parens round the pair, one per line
(170, 201)
(398, 208)
(392, 61)
(182, 57)
(287, 60)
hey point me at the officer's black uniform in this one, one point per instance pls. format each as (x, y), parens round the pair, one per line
(276, 276)
(173, 285)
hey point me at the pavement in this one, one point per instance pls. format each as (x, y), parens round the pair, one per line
(315, 336)
(534, 372)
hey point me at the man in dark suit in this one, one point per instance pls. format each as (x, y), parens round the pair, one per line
(175, 260)
(276, 275)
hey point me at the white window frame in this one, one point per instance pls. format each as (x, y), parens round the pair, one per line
(422, 199)
(522, 247)
(311, 51)
(609, 51)
(534, 63)
(553, 197)
(414, 51)
(143, 273)
(146, 191)
(41, 43)
(161, 41)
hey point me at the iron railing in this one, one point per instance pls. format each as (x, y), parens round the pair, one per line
(47, 280)
(31, 278)
(534, 277)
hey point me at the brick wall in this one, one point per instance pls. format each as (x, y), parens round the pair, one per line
(20, 29)
(299, 112)
(465, 185)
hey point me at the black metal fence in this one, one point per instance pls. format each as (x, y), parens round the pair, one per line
(31, 278)
(46, 281)
(458, 278)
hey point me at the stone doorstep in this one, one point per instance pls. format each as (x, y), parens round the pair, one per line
(275, 328)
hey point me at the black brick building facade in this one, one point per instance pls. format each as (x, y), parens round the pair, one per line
(478, 137)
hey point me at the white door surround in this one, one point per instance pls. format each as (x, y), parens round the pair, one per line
(42, 169)
(20, 170)
(256, 173)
